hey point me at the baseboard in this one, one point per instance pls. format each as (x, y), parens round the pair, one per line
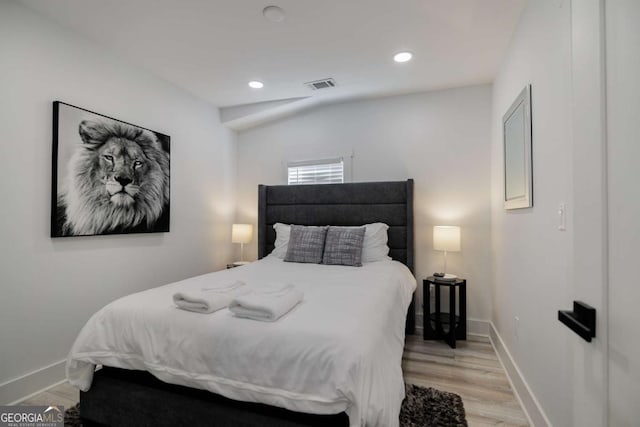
(532, 409)
(478, 327)
(474, 326)
(18, 389)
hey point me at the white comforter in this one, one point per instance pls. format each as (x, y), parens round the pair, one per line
(338, 350)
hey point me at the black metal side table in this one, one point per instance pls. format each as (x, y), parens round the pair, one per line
(434, 322)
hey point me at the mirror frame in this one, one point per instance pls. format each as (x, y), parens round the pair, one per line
(524, 200)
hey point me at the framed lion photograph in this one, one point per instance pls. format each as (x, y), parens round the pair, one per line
(109, 176)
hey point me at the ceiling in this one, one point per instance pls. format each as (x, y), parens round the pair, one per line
(213, 48)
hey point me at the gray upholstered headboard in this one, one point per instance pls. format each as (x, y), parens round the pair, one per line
(341, 204)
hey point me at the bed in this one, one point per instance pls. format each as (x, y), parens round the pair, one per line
(329, 372)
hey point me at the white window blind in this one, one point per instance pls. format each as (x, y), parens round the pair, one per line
(316, 172)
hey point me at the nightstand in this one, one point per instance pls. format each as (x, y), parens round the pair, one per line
(445, 326)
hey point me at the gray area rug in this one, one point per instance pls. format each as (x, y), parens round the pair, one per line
(423, 407)
(428, 407)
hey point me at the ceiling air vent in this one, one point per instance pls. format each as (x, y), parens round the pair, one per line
(321, 84)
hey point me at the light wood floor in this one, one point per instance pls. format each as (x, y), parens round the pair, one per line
(63, 394)
(472, 371)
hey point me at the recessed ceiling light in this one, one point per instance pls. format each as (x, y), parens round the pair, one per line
(254, 84)
(273, 13)
(403, 56)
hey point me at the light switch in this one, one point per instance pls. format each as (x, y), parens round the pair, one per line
(562, 217)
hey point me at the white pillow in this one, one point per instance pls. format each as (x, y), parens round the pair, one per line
(283, 231)
(374, 245)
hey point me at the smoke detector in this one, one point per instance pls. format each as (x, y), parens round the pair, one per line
(273, 13)
(322, 84)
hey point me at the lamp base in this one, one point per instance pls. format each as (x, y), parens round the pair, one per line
(447, 278)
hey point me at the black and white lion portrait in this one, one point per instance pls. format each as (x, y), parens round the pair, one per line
(117, 181)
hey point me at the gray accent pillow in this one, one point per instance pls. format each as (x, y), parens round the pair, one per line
(306, 244)
(343, 246)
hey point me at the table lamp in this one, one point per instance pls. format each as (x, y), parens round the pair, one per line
(241, 233)
(446, 238)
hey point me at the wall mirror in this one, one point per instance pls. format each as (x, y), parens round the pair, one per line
(518, 173)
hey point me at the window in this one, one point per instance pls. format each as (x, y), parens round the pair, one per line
(329, 171)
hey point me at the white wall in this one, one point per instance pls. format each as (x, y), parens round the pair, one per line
(441, 139)
(531, 258)
(49, 287)
(623, 106)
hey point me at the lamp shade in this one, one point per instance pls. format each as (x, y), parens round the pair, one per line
(241, 233)
(446, 238)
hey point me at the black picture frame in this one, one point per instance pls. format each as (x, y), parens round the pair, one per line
(108, 176)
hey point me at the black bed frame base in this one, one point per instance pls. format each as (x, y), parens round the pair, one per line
(133, 398)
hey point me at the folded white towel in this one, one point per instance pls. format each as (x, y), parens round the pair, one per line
(267, 303)
(210, 299)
